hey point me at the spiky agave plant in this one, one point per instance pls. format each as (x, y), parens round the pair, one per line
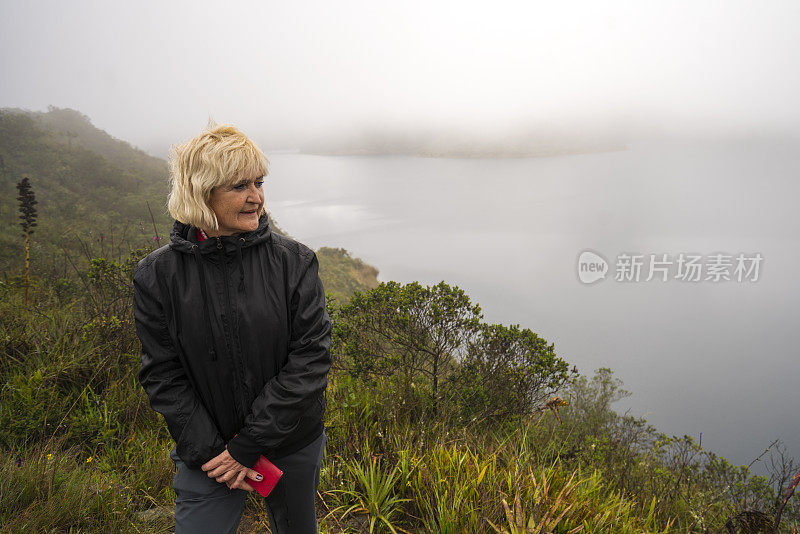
(550, 511)
(374, 493)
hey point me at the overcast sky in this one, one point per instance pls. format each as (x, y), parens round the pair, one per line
(152, 73)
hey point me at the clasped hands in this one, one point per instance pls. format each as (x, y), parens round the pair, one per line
(223, 468)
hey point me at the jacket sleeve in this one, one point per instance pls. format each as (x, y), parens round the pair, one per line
(278, 408)
(165, 381)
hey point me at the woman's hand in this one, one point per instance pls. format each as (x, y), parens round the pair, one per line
(224, 468)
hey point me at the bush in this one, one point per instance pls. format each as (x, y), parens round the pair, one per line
(428, 347)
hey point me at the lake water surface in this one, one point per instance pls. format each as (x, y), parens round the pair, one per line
(714, 357)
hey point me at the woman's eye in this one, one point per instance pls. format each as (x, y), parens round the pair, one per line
(242, 187)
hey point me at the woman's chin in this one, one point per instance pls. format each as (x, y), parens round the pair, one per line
(248, 223)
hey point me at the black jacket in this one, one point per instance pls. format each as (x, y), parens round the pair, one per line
(235, 340)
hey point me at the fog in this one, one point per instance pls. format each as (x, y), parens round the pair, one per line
(290, 73)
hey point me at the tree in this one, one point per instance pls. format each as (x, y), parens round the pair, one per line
(27, 210)
(507, 370)
(411, 332)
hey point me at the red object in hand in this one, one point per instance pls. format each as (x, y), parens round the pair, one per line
(271, 475)
(269, 471)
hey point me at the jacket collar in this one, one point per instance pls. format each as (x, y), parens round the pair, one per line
(184, 236)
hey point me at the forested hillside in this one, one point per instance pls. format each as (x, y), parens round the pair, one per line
(93, 193)
(92, 190)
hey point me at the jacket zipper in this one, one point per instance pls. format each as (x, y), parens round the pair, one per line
(239, 408)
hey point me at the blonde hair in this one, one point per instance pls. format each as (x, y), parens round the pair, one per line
(221, 155)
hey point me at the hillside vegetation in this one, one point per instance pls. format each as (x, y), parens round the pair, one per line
(437, 423)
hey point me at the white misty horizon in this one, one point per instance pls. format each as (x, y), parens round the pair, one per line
(289, 75)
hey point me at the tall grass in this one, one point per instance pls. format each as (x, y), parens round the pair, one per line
(48, 488)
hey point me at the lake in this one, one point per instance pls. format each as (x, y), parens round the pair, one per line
(717, 357)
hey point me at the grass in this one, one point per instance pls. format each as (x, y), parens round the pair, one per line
(49, 488)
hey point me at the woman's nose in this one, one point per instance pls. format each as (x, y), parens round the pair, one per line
(256, 194)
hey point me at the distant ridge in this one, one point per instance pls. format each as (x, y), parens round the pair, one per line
(78, 128)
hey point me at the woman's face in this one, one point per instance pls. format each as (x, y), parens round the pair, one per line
(237, 206)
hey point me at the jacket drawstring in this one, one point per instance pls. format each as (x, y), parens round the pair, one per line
(208, 333)
(239, 243)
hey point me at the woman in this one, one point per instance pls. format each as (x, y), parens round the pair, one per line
(235, 341)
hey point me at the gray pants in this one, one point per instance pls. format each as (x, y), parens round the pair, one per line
(203, 505)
